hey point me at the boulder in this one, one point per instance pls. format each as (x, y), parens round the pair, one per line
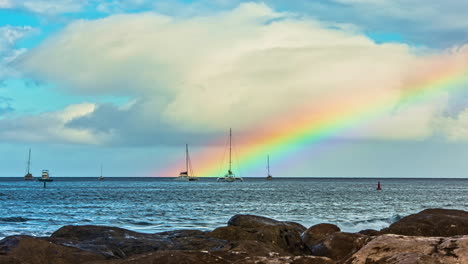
(284, 237)
(114, 242)
(431, 222)
(31, 250)
(339, 246)
(317, 233)
(287, 260)
(172, 257)
(396, 249)
(370, 232)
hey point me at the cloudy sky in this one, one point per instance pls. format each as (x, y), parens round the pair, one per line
(127, 83)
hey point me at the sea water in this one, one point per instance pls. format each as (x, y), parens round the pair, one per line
(162, 204)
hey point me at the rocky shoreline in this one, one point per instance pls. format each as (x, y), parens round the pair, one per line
(432, 236)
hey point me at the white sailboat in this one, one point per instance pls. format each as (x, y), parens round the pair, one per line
(187, 175)
(101, 177)
(269, 177)
(28, 176)
(230, 176)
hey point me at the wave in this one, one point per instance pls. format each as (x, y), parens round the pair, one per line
(14, 219)
(138, 223)
(374, 223)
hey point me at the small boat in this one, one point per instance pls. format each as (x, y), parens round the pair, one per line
(230, 176)
(187, 175)
(28, 176)
(269, 177)
(45, 176)
(101, 177)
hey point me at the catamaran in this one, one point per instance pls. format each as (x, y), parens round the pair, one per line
(45, 176)
(269, 177)
(230, 176)
(28, 176)
(187, 175)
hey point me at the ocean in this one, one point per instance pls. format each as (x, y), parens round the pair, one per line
(161, 204)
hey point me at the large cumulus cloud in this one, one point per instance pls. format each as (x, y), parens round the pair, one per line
(200, 75)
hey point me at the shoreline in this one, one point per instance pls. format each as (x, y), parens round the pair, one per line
(253, 239)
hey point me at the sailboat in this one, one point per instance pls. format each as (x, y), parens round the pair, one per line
(28, 176)
(269, 177)
(101, 177)
(187, 175)
(230, 176)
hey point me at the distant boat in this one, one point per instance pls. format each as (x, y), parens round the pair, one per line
(28, 176)
(187, 175)
(101, 177)
(230, 176)
(269, 177)
(45, 177)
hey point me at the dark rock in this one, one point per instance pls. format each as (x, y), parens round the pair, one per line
(116, 242)
(317, 233)
(370, 232)
(27, 249)
(172, 257)
(287, 260)
(284, 237)
(431, 222)
(339, 246)
(396, 249)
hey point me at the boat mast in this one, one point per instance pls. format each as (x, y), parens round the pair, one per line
(230, 148)
(101, 169)
(268, 164)
(186, 159)
(29, 159)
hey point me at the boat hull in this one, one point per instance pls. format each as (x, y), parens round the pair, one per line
(186, 178)
(45, 180)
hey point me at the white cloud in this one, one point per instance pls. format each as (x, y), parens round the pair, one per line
(9, 35)
(50, 127)
(236, 68)
(46, 7)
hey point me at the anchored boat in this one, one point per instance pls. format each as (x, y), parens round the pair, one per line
(230, 176)
(187, 175)
(269, 177)
(101, 177)
(28, 176)
(45, 176)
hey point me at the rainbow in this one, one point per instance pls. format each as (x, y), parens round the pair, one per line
(307, 126)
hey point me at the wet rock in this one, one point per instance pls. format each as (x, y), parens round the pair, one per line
(284, 237)
(116, 242)
(339, 246)
(431, 222)
(172, 257)
(370, 232)
(31, 250)
(317, 233)
(396, 249)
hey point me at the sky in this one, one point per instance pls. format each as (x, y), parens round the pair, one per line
(127, 83)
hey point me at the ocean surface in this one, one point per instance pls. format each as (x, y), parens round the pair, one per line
(161, 204)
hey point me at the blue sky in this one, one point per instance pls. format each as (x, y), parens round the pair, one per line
(127, 82)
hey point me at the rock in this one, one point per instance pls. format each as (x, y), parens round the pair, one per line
(317, 233)
(339, 246)
(27, 249)
(172, 257)
(116, 242)
(284, 237)
(431, 222)
(396, 249)
(370, 232)
(287, 260)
